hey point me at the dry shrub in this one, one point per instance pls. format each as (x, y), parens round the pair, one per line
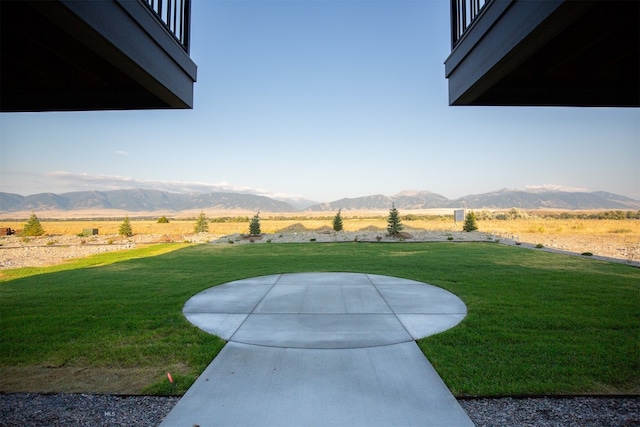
(294, 228)
(373, 229)
(325, 229)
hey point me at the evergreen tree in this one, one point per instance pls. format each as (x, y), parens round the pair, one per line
(470, 222)
(32, 227)
(394, 226)
(202, 224)
(125, 228)
(337, 221)
(254, 225)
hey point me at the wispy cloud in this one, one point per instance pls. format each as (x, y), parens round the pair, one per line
(555, 187)
(121, 153)
(84, 181)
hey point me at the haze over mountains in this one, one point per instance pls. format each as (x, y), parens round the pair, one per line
(140, 200)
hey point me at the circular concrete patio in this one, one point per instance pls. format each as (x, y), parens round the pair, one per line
(324, 310)
(321, 349)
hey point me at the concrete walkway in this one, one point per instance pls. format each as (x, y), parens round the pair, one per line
(321, 349)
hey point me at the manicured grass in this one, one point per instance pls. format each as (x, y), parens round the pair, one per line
(538, 323)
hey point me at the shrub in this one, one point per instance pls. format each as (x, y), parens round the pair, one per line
(470, 222)
(621, 230)
(587, 254)
(394, 226)
(254, 225)
(163, 220)
(202, 225)
(337, 221)
(516, 213)
(32, 227)
(125, 228)
(539, 246)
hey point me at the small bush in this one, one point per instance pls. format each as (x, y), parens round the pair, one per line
(539, 246)
(163, 220)
(313, 239)
(394, 226)
(202, 225)
(254, 225)
(587, 254)
(32, 227)
(125, 228)
(449, 238)
(470, 222)
(337, 221)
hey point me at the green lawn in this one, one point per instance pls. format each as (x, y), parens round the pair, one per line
(538, 323)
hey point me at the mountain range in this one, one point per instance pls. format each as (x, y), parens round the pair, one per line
(140, 200)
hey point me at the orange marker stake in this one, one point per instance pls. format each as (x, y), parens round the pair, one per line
(170, 377)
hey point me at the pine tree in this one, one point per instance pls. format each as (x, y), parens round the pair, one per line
(394, 226)
(254, 225)
(337, 221)
(32, 227)
(202, 224)
(470, 222)
(125, 228)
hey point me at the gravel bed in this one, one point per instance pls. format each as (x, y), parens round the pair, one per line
(87, 410)
(62, 410)
(554, 412)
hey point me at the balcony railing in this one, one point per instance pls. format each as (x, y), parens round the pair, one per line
(463, 13)
(176, 17)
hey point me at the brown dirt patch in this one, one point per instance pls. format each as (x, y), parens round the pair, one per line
(39, 379)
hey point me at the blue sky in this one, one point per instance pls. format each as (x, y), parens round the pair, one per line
(322, 100)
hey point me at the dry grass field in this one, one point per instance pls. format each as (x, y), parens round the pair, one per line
(629, 228)
(605, 237)
(232, 226)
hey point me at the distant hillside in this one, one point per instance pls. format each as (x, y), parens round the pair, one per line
(154, 200)
(502, 199)
(402, 200)
(506, 199)
(138, 201)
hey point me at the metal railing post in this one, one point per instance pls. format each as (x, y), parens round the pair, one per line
(175, 15)
(462, 16)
